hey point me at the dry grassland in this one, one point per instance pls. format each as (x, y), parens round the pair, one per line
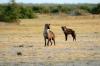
(27, 38)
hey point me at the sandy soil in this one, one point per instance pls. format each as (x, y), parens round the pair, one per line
(27, 38)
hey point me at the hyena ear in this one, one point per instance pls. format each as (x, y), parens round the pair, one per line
(62, 28)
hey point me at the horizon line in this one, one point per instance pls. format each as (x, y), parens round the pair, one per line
(50, 3)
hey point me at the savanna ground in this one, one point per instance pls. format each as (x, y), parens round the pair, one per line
(27, 38)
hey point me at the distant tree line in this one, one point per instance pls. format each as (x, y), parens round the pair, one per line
(12, 12)
(66, 8)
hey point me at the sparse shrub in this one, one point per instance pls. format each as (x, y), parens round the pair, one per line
(85, 8)
(26, 12)
(96, 10)
(54, 10)
(9, 13)
(13, 12)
